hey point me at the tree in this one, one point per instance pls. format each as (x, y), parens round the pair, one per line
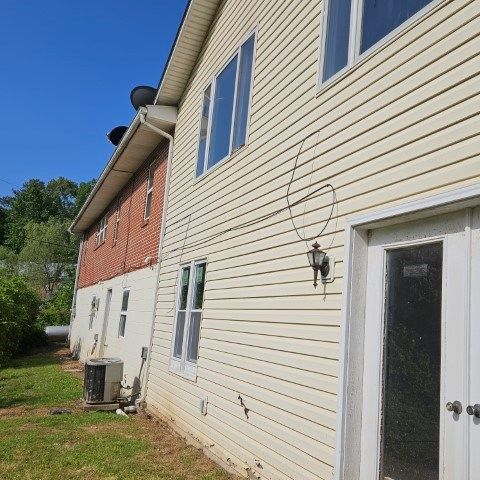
(83, 191)
(49, 255)
(56, 311)
(30, 203)
(18, 312)
(62, 193)
(37, 202)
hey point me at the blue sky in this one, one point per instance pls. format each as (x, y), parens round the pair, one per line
(66, 72)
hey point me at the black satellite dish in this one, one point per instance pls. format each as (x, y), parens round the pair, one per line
(142, 96)
(115, 136)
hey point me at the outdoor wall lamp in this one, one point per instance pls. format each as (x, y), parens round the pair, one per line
(319, 262)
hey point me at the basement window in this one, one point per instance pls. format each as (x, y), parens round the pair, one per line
(226, 109)
(188, 318)
(123, 313)
(101, 231)
(354, 28)
(148, 198)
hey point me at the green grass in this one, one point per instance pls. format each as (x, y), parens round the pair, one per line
(81, 445)
(37, 381)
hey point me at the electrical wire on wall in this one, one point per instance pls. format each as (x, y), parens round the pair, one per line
(334, 203)
(289, 207)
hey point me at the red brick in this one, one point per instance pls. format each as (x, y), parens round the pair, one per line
(137, 239)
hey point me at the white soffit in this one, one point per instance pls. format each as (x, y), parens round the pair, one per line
(137, 144)
(188, 44)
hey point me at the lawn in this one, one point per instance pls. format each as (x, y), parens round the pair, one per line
(35, 445)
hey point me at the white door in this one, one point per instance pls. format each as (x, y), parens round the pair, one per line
(474, 348)
(419, 319)
(106, 314)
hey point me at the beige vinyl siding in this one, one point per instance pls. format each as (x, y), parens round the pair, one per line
(402, 124)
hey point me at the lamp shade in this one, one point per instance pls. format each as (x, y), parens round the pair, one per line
(316, 257)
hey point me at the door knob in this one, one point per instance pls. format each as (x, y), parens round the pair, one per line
(475, 410)
(455, 407)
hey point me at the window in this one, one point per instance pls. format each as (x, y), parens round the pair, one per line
(148, 198)
(188, 318)
(102, 231)
(225, 110)
(123, 313)
(345, 40)
(117, 223)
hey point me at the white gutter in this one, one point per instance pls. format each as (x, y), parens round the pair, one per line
(142, 115)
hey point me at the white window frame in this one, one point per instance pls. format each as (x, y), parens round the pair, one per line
(149, 193)
(102, 230)
(117, 223)
(212, 82)
(123, 313)
(182, 366)
(354, 55)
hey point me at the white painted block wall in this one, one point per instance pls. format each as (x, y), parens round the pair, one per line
(138, 325)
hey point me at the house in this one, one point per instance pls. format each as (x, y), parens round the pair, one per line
(349, 123)
(377, 102)
(121, 224)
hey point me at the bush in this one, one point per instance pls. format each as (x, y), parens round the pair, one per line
(57, 310)
(19, 305)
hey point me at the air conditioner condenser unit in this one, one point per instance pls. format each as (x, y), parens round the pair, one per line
(103, 377)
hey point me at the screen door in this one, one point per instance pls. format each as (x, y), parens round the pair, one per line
(414, 422)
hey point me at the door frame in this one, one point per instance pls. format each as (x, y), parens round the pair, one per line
(349, 408)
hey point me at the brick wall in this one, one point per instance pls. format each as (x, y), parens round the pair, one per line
(137, 238)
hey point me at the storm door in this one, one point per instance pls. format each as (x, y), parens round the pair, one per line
(414, 420)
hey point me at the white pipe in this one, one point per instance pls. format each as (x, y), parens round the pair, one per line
(143, 121)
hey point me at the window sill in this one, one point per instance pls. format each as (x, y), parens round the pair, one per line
(401, 30)
(145, 222)
(223, 161)
(190, 372)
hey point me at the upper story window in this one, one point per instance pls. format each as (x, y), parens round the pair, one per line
(148, 198)
(225, 111)
(188, 317)
(102, 230)
(373, 20)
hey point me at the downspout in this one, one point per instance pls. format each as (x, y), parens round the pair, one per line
(73, 308)
(143, 121)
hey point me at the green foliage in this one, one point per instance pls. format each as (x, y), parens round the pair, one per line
(8, 260)
(49, 255)
(37, 202)
(37, 256)
(56, 311)
(19, 304)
